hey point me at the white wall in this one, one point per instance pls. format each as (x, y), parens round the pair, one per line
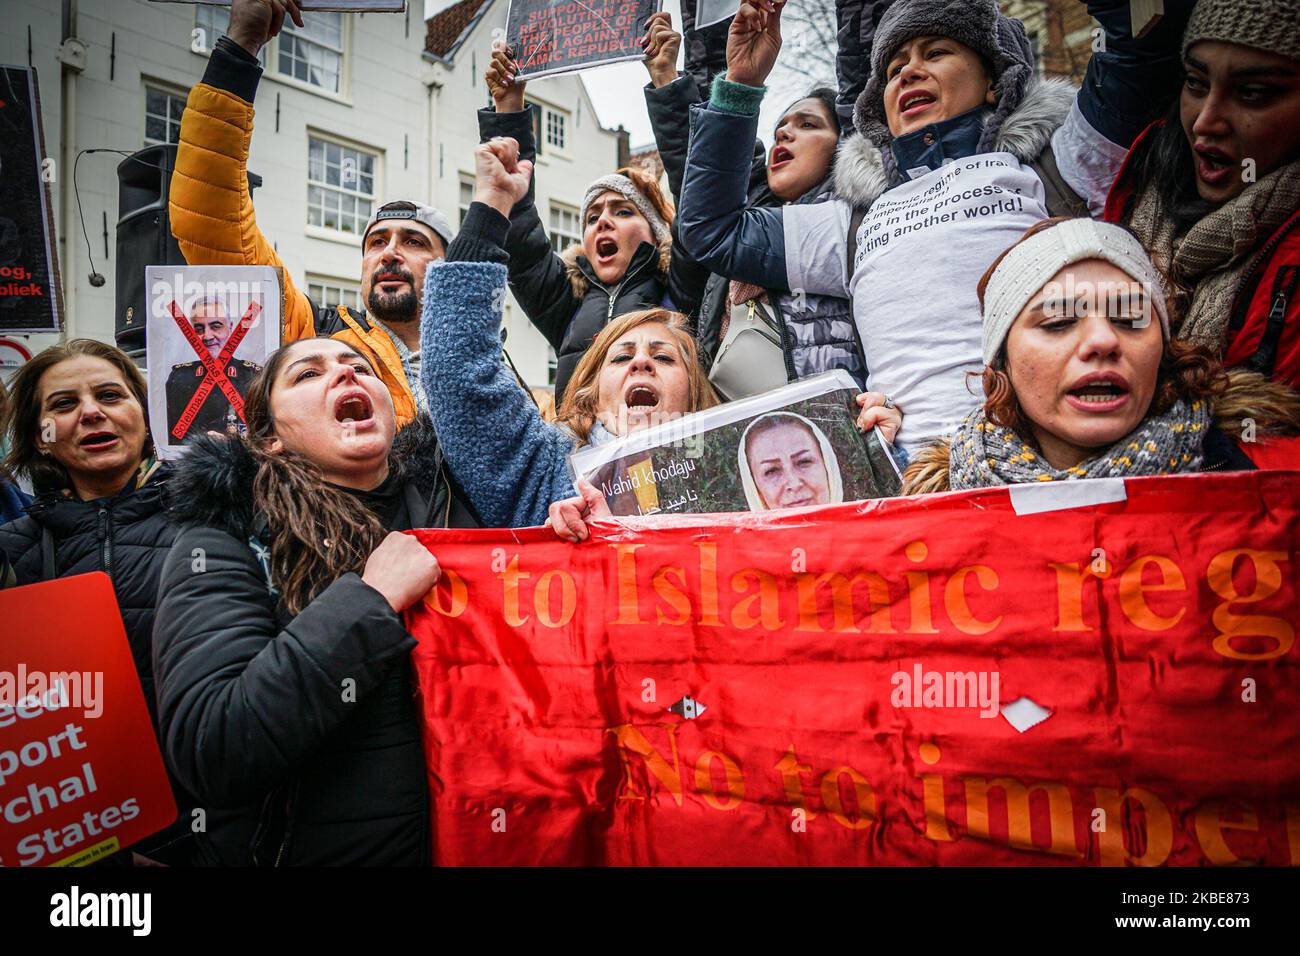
(385, 98)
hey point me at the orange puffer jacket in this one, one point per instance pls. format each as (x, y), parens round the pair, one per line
(212, 220)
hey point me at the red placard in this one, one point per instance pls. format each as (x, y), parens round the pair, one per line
(1100, 673)
(81, 776)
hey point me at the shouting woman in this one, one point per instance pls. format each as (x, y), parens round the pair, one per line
(641, 369)
(1082, 380)
(627, 260)
(284, 680)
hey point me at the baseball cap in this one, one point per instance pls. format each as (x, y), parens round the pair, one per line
(405, 209)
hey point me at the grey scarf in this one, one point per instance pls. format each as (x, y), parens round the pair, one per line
(1209, 263)
(984, 455)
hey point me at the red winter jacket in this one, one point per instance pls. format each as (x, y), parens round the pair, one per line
(1264, 331)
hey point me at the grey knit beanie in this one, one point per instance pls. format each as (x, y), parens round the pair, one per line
(1269, 25)
(978, 24)
(616, 182)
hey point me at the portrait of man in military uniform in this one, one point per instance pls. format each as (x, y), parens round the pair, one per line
(213, 324)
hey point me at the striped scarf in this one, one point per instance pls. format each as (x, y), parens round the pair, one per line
(984, 455)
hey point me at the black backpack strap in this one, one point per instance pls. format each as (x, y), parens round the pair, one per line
(48, 572)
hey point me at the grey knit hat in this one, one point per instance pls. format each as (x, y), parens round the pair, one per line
(1269, 25)
(617, 182)
(978, 24)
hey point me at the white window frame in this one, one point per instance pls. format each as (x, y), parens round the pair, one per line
(172, 93)
(559, 119)
(462, 205)
(341, 51)
(555, 231)
(329, 291)
(322, 231)
(269, 55)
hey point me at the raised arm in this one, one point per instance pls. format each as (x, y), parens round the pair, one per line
(209, 203)
(510, 463)
(801, 246)
(1131, 82)
(538, 277)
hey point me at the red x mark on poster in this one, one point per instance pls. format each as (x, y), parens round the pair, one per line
(215, 366)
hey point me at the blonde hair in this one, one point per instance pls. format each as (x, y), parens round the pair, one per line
(581, 397)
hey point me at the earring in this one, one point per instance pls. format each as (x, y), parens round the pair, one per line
(45, 452)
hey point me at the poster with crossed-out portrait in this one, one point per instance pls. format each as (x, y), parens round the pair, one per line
(210, 331)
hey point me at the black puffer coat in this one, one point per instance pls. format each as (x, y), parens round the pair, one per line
(817, 331)
(560, 294)
(299, 735)
(126, 536)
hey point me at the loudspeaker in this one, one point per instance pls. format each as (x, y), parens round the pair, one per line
(144, 235)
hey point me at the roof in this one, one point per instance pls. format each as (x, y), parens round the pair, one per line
(444, 32)
(647, 158)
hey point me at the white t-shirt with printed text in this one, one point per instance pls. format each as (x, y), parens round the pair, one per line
(922, 248)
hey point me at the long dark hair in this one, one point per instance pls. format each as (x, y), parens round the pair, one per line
(318, 532)
(1168, 166)
(826, 96)
(22, 419)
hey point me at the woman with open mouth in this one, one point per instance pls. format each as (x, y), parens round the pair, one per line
(626, 262)
(77, 429)
(811, 333)
(1082, 379)
(283, 662)
(642, 368)
(960, 148)
(1213, 189)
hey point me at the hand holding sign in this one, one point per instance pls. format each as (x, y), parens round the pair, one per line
(500, 176)
(753, 42)
(254, 22)
(568, 518)
(661, 43)
(503, 80)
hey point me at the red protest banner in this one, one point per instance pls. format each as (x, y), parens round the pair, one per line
(80, 772)
(955, 679)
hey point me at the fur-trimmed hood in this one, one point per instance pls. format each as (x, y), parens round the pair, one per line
(860, 176)
(213, 484)
(580, 282)
(1250, 397)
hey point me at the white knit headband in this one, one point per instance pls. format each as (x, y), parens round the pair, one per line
(1029, 266)
(620, 184)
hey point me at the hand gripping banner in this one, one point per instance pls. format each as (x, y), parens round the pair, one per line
(972, 678)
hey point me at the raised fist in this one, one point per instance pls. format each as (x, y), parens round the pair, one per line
(500, 176)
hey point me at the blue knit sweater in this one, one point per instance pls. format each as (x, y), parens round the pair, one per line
(510, 463)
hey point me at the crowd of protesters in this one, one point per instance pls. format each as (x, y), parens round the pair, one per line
(914, 228)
